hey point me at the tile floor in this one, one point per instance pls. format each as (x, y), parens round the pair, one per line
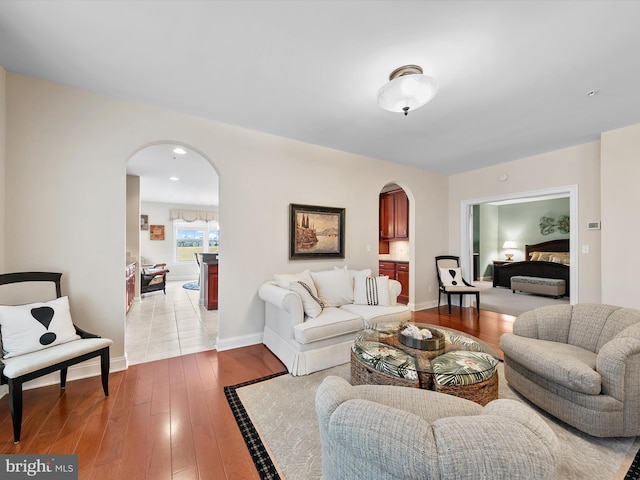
(163, 326)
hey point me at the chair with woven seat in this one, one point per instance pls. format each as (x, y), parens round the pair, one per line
(451, 281)
(38, 336)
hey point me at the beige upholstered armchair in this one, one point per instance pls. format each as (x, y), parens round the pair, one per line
(390, 432)
(580, 363)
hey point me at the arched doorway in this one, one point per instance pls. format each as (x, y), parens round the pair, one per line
(394, 244)
(172, 205)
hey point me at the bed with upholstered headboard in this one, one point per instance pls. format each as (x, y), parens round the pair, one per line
(545, 260)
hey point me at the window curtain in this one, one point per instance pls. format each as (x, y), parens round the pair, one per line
(193, 215)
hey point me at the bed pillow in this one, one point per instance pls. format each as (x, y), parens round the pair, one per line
(451, 277)
(311, 304)
(334, 287)
(35, 326)
(371, 290)
(535, 256)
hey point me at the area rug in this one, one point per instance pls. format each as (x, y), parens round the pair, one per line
(503, 300)
(191, 286)
(278, 420)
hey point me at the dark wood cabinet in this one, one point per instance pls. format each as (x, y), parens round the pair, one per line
(212, 286)
(387, 214)
(130, 282)
(397, 271)
(394, 215)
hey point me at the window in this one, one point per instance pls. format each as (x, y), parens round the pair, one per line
(190, 239)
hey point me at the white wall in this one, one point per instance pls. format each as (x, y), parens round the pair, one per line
(3, 129)
(578, 165)
(620, 220)
(66, 155)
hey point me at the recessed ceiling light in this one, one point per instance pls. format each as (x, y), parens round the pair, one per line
(179, 150)
(175, 179)
(592, 93)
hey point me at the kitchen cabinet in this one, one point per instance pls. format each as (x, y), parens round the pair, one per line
(397, 271)
(130, 284)
(394, 215)
(212, 286)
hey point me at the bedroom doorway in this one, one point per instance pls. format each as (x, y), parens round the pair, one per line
(472, 250)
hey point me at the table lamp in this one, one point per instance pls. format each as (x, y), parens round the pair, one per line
(509, 245)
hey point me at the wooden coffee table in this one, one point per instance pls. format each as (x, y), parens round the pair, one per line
(460, 365)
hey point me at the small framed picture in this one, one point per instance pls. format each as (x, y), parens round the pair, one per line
(316, 232)
(156, 232)
(144, 222)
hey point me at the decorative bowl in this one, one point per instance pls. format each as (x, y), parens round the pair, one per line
(434, 343)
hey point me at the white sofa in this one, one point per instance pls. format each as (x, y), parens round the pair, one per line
(307, 337)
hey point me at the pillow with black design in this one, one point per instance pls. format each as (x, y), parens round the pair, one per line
(371, 290)
(451, 277)
(311, 304)
(32, 327)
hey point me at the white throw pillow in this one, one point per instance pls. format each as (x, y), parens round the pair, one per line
(311, 304)
(285, 280)
(354, 273)
(32, 327)
(334, 287)
(371, 291)
(451, 277)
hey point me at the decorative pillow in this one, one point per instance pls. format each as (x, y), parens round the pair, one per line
(284, 280)
(371, 291)
(32, 327)
(535, 256)
(451, 277)
(311, 304)
(354, 273)
(334, 287)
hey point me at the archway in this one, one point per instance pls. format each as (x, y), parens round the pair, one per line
(172, 206)
(394, 237)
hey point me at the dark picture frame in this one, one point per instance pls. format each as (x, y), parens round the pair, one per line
(316, 232)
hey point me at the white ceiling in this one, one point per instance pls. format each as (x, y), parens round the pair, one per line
(513, 75)
(169, 177)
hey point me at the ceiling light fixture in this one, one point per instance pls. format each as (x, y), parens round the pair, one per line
(407, 89)
(175, 179)
(179, 151)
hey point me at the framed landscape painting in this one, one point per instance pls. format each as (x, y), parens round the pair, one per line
(315, 232)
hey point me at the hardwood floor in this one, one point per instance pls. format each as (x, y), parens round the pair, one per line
(169, 419)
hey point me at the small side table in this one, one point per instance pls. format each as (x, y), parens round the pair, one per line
(497, 264)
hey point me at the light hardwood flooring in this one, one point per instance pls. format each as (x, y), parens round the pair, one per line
(169, 418)
(169, 325)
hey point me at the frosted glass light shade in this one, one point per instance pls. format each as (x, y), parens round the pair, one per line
(509, 244)
(407, 92)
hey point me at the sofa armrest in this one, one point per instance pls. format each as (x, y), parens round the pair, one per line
(283, 302)
(395, 288)
(613, 363)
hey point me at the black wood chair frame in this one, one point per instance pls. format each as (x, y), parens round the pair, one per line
(442, 289)
(15, 384)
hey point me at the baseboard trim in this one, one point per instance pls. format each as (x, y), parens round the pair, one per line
(76, 372)
(223, 344)
(425, 305)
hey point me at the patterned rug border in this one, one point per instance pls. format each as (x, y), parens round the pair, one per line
(634, 469)
(261, 459)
